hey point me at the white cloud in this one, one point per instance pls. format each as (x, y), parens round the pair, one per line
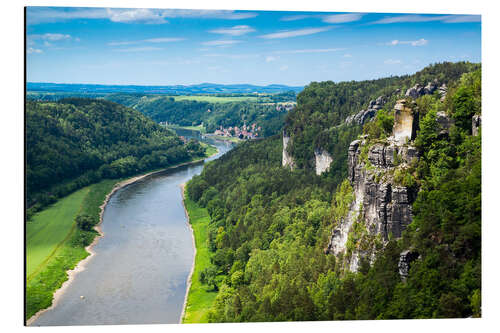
(221, 42)
(308, 51)
(333, 18)
(237, 30)
(37, 15)
(342, 18)
(150, 40)
(392, 62)
(33, 50)
(462, 18)
(271, 58)
(433, 18)
(418, 42)
(163, 40)
(347, 55)
(47, 40)
(139, 49)
(294, 33)
(233, 55)
(53, 37)
(284, 68)
(139, 15)
(295, 17)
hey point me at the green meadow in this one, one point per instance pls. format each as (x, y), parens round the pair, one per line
(48, 229)
(55, 245)
(200, 297)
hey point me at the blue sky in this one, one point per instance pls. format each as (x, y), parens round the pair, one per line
(166, 47)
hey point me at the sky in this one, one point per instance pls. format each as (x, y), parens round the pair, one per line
(174, 46)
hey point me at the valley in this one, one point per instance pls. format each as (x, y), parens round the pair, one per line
(331, 215)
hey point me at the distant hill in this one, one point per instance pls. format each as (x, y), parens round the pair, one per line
(203, 88)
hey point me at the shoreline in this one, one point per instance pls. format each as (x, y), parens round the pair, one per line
(80, 266)
(190, 276)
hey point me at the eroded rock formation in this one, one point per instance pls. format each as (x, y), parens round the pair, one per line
(405, 260)
(323, 161)
(381, 205)
(445, 122)
(365, 115)
(443, 89)
(405, 121)
(418, 90)
(476, 124)
(287, 160)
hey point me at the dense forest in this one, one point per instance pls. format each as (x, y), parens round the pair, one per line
(211, 115)
(270, 225)
(75, 142)
(323, 107)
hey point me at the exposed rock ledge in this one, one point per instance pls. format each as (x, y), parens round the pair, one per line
(476, 124)
(418, 90)
(287, 160)
(323, 161)
(383, 206)
(364, 116)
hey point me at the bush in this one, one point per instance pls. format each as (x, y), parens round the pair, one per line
(85, 222)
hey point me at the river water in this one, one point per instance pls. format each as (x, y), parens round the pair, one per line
(141, 266)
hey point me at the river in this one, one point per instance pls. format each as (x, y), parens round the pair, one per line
(141, 266)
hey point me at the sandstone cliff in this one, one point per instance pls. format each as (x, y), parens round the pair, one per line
(323, 160)
(419, 90)
(383, 196)
(287, 160)
(381, 207)
(405, 121)
(364, 116)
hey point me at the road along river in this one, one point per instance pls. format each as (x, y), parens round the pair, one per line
(140, 268)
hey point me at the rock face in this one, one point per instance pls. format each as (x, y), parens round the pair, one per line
(383, 206)
(405, 121)
(323, 161)
(444, 122)
(418, 90)
(364, 116)
(476, 123)
(287, 160)
(442, 91)
(405, 260)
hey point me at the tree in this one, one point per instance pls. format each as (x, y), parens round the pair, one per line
(85, 222)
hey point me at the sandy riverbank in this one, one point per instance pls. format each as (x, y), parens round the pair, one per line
(80, 266)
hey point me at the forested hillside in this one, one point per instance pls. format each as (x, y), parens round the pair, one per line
(270, 225)
(212, 115)
(324, 106)
(75, 142)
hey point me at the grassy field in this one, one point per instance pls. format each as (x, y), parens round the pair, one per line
(211, 150)
(226, 138)
(55, 245)
(200, 297)
(49, 229)
(198, 128)
(216, 99)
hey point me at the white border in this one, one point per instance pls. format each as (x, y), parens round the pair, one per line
(13, 164)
